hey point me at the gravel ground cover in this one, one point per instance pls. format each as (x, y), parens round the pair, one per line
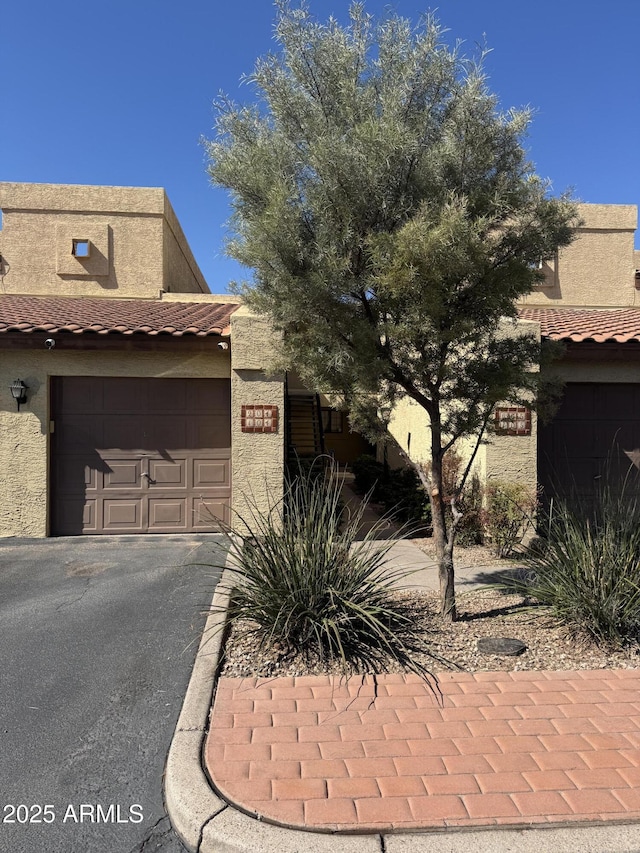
(482, 613)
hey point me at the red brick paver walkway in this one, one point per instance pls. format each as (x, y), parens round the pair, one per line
(499, 748)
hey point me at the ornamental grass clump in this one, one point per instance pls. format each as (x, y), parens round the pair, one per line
(587, 567)
(307, 586)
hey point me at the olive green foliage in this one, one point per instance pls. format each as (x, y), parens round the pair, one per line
(386, 207)
(398, 490)
(368, 472)
(509, 514)
(389, 214)
(471, 528)
(312, 589)
(586, 569)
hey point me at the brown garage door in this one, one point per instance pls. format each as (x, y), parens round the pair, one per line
(140, 455)
(595, 436)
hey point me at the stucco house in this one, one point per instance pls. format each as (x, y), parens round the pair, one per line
(132, 400)
(590, 302)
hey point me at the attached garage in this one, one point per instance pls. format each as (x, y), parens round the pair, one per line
(123, 381)
(594, 437)
(140, 455)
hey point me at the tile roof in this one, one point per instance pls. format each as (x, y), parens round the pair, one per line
(108, 316)
(586, 324)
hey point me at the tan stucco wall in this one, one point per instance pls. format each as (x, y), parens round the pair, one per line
(138, 248)
(512, 458)
(409, 426)
(257, 459)
(598, 268)
(181, 272)
(498, 457)
(346, 446)
(24, 435)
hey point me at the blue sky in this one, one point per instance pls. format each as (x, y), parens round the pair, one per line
(120, 92)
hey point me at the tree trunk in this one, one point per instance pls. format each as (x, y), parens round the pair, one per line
(443, 534)
(443, 540)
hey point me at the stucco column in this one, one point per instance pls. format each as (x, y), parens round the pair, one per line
(257, 458)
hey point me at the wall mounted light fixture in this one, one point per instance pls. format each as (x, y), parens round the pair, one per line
(19, 392)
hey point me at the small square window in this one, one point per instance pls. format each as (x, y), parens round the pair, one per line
(81, 248)
(331, 420)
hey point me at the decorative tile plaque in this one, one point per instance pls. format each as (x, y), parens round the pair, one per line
(259, 418)
(513, 420)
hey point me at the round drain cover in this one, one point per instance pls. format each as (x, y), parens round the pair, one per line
(501, 646)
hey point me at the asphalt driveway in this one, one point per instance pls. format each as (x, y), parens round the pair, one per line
(98, 637)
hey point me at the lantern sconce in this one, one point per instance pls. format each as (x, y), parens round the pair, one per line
(385, 413)
(19, 392)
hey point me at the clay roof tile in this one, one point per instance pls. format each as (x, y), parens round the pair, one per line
(113, 316)
(586, 324)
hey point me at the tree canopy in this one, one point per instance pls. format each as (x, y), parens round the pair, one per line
(392, 220)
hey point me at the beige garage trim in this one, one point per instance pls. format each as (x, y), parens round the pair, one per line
(139, 455)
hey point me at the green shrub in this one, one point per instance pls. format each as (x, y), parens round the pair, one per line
(402, 494)
(587, 568)
(312, 589)
(470, 530)
(367, 472)
(399, 490)
(509, 514)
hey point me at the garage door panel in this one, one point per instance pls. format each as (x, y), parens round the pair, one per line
(204, 396)
(78, 395)
(167, 473)
(611, 435)
(75, 477)
(78, 432)
(167, 514)
(576, 404)
(122, 514)
(169, 396)
(621, 459)
(584, 447)
(206, 513)
(123, 474)
(615, 400)
(211, 473)
(124, 396)
(574, 475)
(124, 432)
(90, 515)
(209, 431)
(574, 439)
(168, 431)
(69, 510)
(584, 474)
(110, 432)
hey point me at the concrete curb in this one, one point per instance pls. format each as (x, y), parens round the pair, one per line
(190, 800)
(204, 822)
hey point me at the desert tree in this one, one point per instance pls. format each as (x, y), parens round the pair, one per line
(391, 219)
